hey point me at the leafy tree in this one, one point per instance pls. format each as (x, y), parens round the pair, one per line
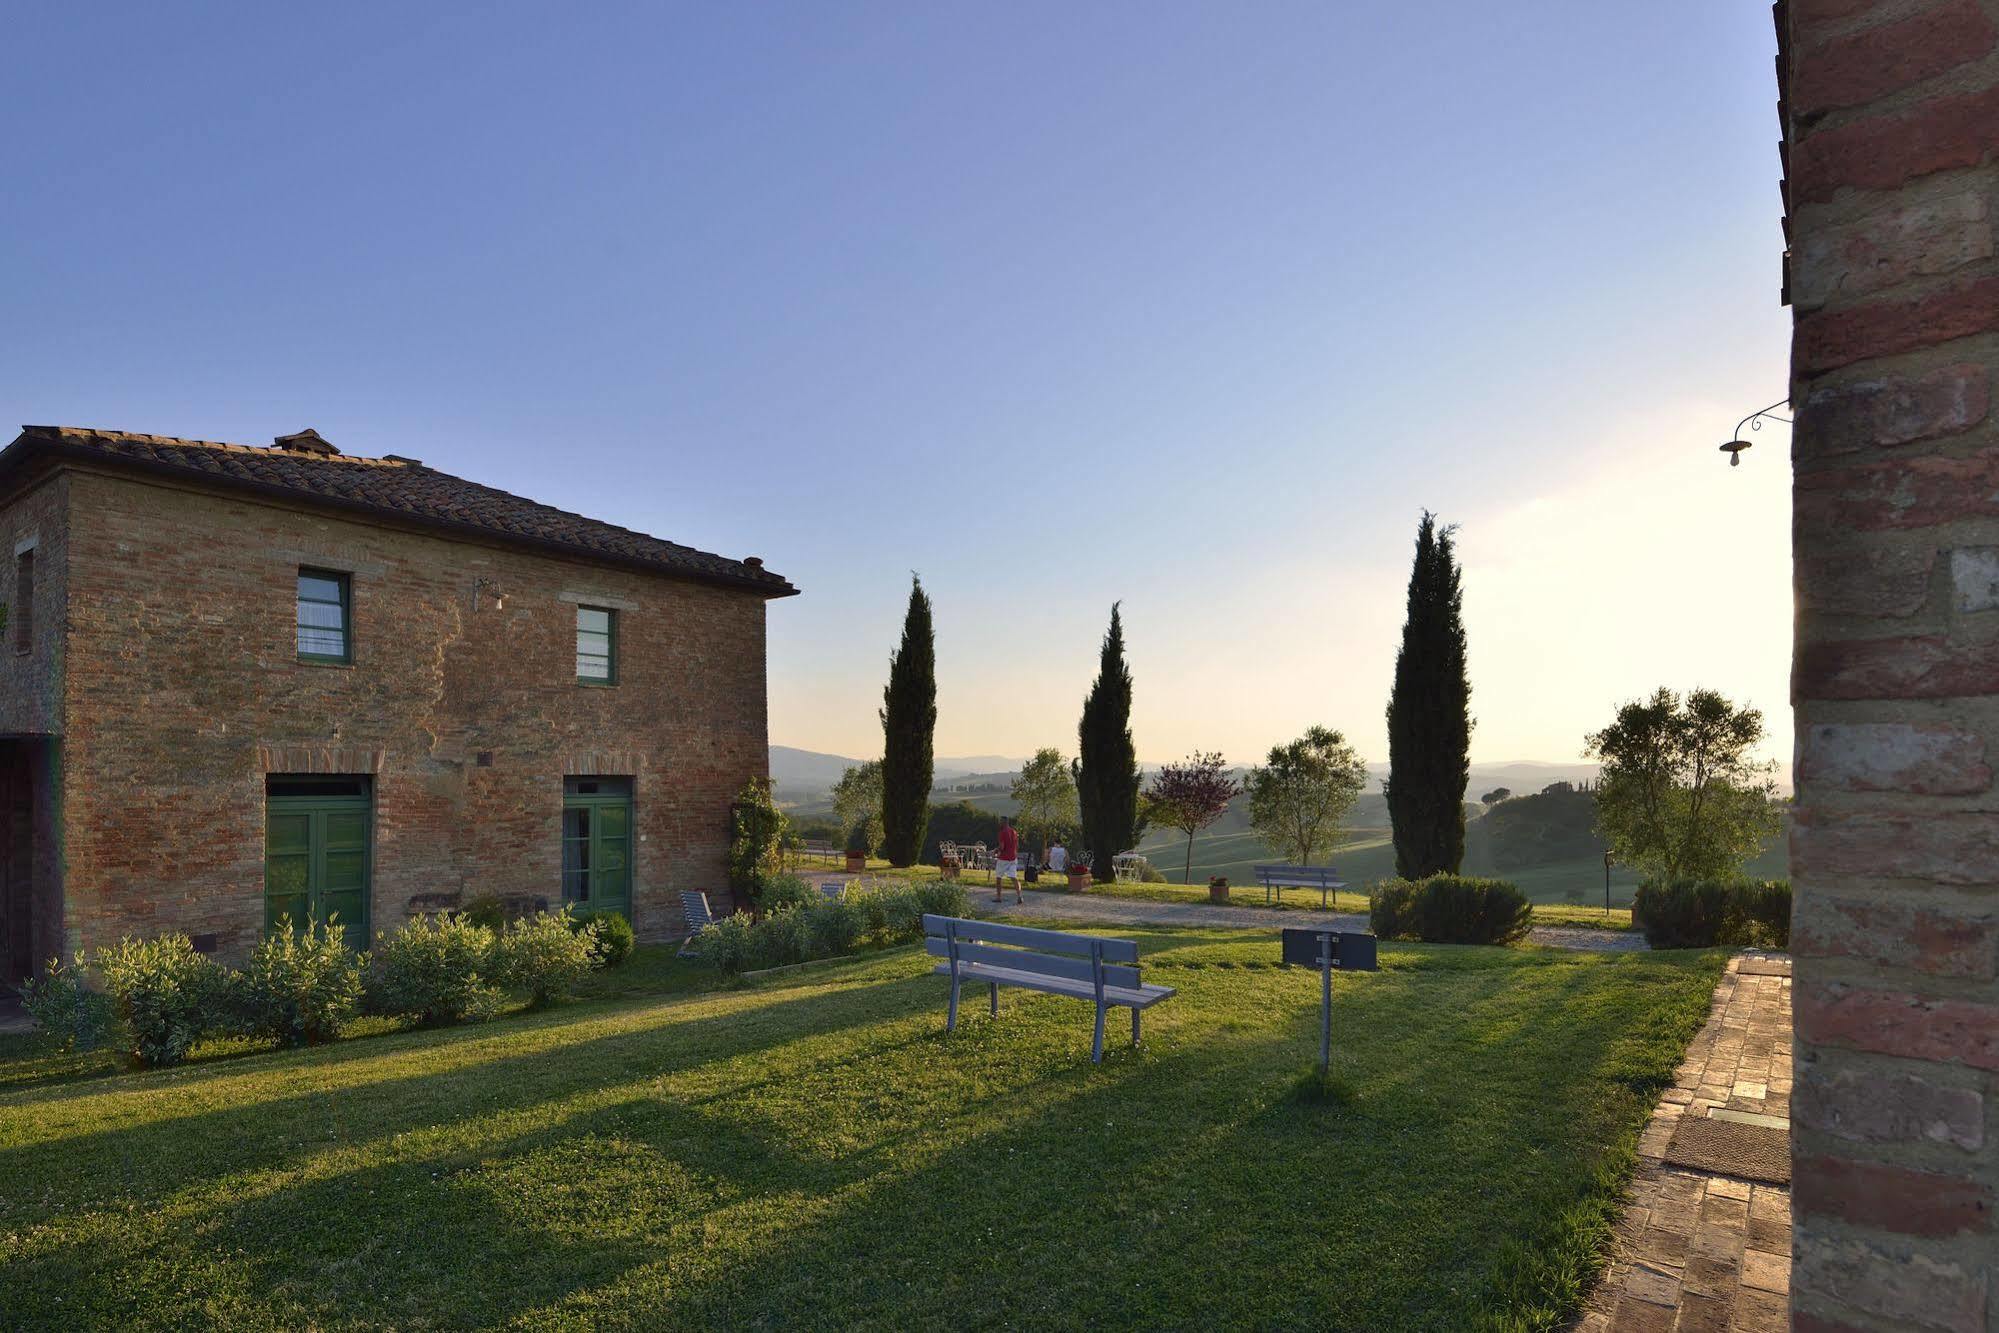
(1046, 793)
(1107, 763)
(1304, 790)
(857, 804)
(909, 725)
(1495, 796)
(1429, 715)
(1190, 797)
(1680, 795)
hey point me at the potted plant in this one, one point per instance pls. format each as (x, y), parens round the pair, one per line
(857, 849)
(1218, 888)
(1079, 876)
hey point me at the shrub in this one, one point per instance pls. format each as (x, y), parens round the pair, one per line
(1770, 909)
(938, 898)
(902, 910)
(778, 939)
(725, 942)
(781, 893)
(71, 1016)
(1152, 874)
(299, 986)
(611, 937)
(872, 905)
(168, 996)
(438, 969)
(833, 927)
(543, 956)
(1449, 909)
(1703, 913)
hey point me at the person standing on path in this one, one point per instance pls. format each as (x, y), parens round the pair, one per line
(1006, 865)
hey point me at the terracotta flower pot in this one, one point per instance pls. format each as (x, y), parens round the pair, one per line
(1079, 880)
(856, 862)
(1218, 889)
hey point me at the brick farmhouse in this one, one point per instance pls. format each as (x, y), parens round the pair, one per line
(244, 682)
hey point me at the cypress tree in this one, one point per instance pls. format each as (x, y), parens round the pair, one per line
(909, 725)
(1429, 715)
(1107, 763)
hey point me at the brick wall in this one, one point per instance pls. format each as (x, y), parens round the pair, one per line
(30, 682)
(1894, 195)
(183, 689)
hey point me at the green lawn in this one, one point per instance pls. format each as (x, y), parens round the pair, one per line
(816, 1152)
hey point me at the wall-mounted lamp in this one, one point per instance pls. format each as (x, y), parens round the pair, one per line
(1736, 444)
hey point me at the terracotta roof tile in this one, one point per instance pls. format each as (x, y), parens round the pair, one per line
(392, 486)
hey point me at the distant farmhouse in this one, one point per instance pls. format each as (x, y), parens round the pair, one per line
(239, 682)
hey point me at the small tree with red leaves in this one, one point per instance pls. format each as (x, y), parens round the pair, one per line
(1190, 797)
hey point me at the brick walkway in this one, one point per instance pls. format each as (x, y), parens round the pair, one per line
(1697, 1250)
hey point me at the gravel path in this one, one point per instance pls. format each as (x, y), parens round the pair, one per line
(1063, 906)
(1143, 912)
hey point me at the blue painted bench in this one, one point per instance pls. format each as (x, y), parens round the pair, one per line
(1083, 967)
(1276, 879)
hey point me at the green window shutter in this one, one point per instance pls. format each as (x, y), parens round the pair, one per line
(597, 844)
(317, 852)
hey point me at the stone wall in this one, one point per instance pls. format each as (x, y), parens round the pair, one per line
(1894, 197)
(184, 689)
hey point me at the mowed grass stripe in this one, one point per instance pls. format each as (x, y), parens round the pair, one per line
(817, 1152)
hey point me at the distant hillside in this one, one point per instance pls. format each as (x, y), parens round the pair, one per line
(806, 777)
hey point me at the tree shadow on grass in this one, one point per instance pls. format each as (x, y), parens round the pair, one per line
(173, 1145)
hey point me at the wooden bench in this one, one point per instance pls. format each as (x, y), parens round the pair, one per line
(820, 848)
(1276, 879)
(1083, 967)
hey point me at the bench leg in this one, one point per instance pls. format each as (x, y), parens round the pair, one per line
(994, 988)
(1097, 1046)
(951, 1020)
(1134, 1025)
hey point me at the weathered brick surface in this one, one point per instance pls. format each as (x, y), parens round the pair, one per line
(1883, 152)
(1958, 939)
(1855, 67)
(1904, 1023)
(1841, 335)
(1901, 492)
(1843, 576)
(1873, 1105)
(1958, 848)
(31, 682)
(1932, 760)
(1923, 666)
(1882, 411)
(1898, 1280)
(1893, 1198)
(183, 689)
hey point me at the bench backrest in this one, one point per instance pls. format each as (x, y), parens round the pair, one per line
(815, 845)
(832, 888)
(694, 906)
(1314, 876)
(1051, 953)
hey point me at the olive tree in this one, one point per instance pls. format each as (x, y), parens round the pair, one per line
(1681, 794)
(1045, 790)
(1301, 795)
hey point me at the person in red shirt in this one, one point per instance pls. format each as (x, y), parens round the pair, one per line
(1006, 864)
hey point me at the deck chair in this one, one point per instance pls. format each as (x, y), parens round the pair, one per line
(693, 906)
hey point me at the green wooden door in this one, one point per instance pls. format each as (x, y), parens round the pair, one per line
(316, 862)
(597, 846)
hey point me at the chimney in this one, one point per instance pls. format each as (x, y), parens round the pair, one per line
(306, 441)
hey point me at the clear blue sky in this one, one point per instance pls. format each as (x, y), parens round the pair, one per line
(1192, 306)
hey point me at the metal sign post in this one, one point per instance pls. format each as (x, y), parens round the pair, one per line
(1348, 950)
